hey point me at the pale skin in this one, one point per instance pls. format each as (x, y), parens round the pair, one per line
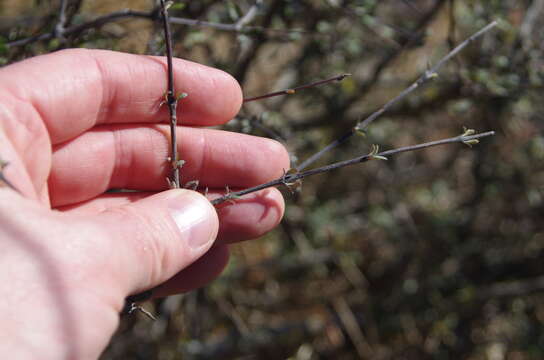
(78, 122)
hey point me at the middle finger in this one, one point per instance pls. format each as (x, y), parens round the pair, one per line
(125, 156)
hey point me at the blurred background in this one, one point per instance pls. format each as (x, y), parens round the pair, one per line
(436, 254)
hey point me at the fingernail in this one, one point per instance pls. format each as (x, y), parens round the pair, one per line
(195, 218)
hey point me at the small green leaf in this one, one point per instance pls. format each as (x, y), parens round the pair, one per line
(471, 142)
(291, 171)
(360, 131)
(373, 154)
(375, 149)
(177, 6)
(54, 43)
(468, 132)
(431, 74)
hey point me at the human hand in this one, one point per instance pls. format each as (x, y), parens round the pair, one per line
(79, 122)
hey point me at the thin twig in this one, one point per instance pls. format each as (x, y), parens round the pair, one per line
(412, 6)
(149, 15)
(295, 89)
(171, 100)
(531, 16)
(232, 27)
(61, 24)
(93, 24)
(131, 302)
(250, 15)
(353, 328)
(512, 288)
(289, 179)
(428, 75)
(452, 23)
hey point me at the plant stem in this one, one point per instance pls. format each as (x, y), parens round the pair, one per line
(288, 179)
(171, 100)
(295, 89)
(61, 24)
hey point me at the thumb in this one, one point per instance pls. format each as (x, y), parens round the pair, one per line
(155, 238)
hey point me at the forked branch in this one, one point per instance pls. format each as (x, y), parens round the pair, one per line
(428, 75)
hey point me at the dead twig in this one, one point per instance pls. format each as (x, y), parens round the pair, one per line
(353, 329)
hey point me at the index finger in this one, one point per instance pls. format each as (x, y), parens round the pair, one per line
(76, 89)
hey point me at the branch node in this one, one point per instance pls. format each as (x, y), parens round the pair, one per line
(230, 196)
(342, 77)
(373, 154)
(135, 307)
(178, 164)
(191, 185)
(182, 95)
(360, 131)
(429, 74)
(292, 186)
(471, 142)
(468, 132)
(164, 100)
